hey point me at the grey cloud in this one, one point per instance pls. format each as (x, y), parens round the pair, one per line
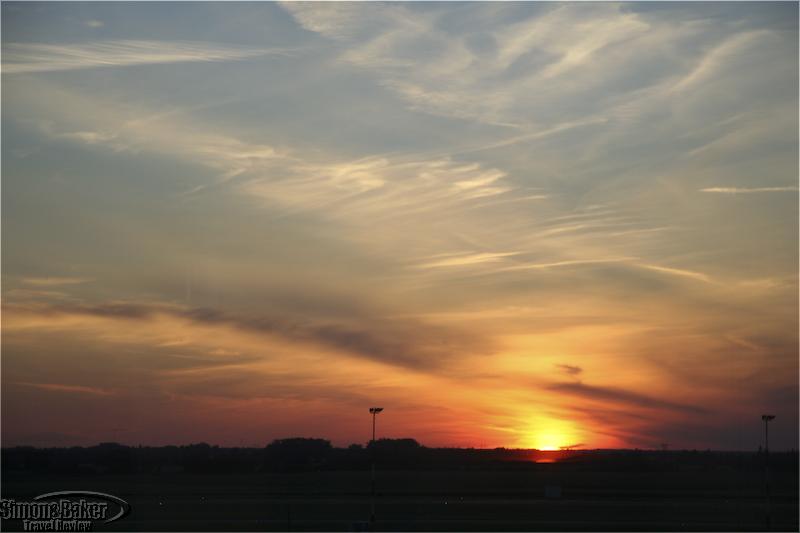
(570, 369)
(621, 396)
(397, 342)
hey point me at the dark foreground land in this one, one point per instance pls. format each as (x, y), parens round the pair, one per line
(215, 489)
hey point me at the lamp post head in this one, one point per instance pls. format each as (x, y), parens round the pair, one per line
(767, 418)
(375, 410)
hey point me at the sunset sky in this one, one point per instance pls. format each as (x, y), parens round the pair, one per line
(508, 224)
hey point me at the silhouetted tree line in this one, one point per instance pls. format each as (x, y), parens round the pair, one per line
(302, 454)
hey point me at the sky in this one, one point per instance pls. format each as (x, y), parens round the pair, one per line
(508, 224)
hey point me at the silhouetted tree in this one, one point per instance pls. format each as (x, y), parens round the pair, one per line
(296, 454)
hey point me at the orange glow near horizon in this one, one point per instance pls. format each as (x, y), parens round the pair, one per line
(318, 391)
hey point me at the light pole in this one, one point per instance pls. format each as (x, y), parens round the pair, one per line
(374, 411)
(766, 419)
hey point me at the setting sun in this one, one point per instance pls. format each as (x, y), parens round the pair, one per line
(549, 435)
(549, 442)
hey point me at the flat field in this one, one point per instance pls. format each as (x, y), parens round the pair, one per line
(547, 499)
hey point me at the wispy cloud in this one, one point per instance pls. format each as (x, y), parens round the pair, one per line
(356, 190)
(54, 281)
(699, 276)
(467, 260)
(58, 387)
(748, 190)
(717, 58)
(458, 76)
(90, 137)
(570, 262)
(38, 57)
(377, 186)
